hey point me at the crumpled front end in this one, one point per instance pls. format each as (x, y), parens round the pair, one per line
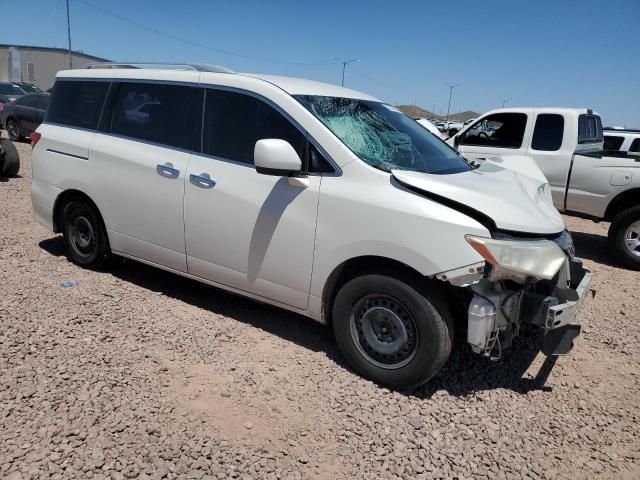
(516, 290)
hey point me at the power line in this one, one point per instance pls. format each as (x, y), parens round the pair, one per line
(189, 42)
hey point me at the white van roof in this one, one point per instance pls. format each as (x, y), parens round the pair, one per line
(291, 85)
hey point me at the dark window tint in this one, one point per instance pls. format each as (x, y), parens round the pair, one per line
(548, 132)
(234, 122)
(317, 162)
(635, 146)
(501, 130)
(159, 113)
(77, 103)
(589, 129)
(612, 143)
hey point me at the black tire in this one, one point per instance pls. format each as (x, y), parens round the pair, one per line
(417, 355)
(14, 131)
(10, 161)
(626, 224)
(85, 236)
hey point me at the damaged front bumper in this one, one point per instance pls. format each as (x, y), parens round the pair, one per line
(497, 311)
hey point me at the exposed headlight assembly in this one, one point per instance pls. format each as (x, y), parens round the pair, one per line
(520, 259)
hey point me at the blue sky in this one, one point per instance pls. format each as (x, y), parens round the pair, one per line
(580, 53)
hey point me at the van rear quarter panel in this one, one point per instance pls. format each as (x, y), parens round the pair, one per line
(60, 162)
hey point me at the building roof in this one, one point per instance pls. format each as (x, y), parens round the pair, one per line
(53, 49)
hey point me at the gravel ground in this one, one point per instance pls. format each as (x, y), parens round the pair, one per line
(137, 373)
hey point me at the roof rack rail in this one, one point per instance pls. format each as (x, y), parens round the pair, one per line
(621, 129)
(198, 67)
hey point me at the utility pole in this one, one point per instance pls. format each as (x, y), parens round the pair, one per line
(451, 87)
(344, 65)
(69, 36)
(505, 101)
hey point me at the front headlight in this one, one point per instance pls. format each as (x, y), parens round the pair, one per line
(540, 259)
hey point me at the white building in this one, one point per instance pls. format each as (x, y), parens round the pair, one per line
(38, 65)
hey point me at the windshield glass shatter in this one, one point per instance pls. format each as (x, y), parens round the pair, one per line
(383, 136)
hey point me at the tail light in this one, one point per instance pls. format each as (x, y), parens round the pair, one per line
(35, 138)
(1, 107)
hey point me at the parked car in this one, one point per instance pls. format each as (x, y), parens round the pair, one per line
(453, 127)
(9, 92)
(22, 116)
(440, 125)
(621, 139)
(29, 87)
(429, 126)
(567, 146)
(312, 197)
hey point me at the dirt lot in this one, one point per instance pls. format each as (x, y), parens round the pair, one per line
(137, 373)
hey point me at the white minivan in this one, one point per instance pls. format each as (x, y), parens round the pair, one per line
(316, 198)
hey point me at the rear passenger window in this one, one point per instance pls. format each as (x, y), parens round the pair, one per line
(589, 129)
(612, 143)
(158, 113)
(548, 132)
(635, 146)
(234, 122)
(77, 103)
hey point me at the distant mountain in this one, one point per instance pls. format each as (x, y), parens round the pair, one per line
(414, 111)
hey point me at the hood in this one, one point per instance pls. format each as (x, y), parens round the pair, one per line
(514, 201)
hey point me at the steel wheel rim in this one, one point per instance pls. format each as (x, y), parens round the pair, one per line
(83, 236)
(632, 238)
(384, 331)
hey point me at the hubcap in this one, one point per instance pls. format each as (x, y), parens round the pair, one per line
(632, 238)
(83, 235)
(384, 331)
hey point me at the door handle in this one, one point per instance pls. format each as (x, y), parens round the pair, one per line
(167, 170)
(203, 180)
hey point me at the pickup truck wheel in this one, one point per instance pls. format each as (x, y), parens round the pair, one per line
(396, 334)
(10, 160)
(624, 237)
(85, 236)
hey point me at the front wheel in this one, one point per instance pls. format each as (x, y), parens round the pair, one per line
(624, 237)
(396, 334)
(85, 236)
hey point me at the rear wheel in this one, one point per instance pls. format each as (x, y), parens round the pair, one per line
(14, 131)
(624, 237)
(85, 235)
(10, 161)
(396, 334)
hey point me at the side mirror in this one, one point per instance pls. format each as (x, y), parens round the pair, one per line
(272, 156)
(456, 141)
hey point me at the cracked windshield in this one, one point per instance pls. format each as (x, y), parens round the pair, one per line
(383, 136)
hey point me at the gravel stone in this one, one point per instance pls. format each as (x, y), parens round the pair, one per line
(138, 373)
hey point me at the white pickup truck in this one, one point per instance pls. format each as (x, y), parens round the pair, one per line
(567, 146)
